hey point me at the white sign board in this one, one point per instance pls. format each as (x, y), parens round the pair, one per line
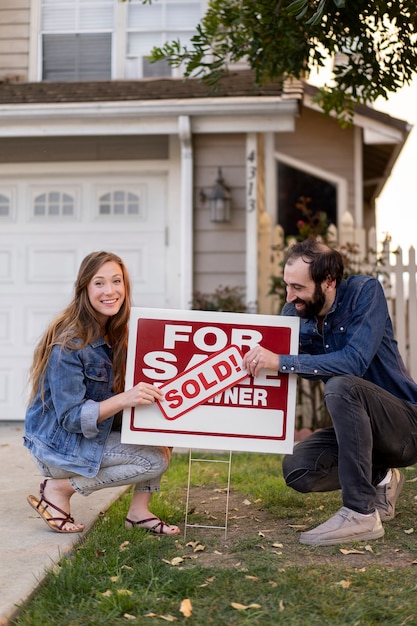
(209, 400)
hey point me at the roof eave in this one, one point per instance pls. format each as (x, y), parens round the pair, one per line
(237, 114)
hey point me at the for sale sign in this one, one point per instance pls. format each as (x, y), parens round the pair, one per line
(210, 401)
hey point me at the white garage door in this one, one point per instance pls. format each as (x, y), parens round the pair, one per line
(47, 225)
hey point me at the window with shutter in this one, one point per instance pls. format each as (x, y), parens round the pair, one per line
(77, 39)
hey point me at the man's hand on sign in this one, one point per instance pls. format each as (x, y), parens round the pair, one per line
(259, 358)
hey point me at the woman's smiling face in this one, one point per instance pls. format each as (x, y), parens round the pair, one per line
(106, 291)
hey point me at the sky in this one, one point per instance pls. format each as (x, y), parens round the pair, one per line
(397, 204)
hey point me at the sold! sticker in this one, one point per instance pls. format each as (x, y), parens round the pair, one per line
(201, 382)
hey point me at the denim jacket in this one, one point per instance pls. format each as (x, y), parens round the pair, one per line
(357, 338)
(63, 431)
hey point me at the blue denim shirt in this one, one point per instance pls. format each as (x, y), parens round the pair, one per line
(357, 338)
(63, 432)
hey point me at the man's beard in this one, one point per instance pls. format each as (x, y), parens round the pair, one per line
(312, 307)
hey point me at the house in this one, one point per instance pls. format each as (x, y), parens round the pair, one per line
(100, 150)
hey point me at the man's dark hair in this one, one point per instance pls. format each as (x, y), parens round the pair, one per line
(324, 262)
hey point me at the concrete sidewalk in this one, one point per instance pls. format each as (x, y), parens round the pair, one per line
(28, 549)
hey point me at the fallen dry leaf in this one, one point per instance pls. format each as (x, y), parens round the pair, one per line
(244, 607)
(199, 548)
(123, 546)
(277, 545)
(114, 579)
(297, 526)
(409, 531)
(368, 548)
(124, 592)
(186, 607)
(281, 606)
(343, 583)
(107, 593)
(128, 616)
(351, 551)
(208, 581)
(246, 502)
(251, 577)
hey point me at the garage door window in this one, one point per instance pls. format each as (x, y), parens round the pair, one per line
(119, 203)
(4, 206)
(54, 204)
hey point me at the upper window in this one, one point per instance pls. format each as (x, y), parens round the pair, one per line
(104, 39)
(77, 39)
(152, 25)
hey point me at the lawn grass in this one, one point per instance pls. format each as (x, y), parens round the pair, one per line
(117, 577)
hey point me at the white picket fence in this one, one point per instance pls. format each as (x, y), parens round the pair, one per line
(401, 292)
(396, 270)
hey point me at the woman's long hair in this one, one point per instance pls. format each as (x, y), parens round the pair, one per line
(78, 325)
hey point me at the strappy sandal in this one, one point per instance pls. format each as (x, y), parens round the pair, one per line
(156, 529)
(54, 523)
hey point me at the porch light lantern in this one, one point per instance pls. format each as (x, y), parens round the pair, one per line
(220, 200)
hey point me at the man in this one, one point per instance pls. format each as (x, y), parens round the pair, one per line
(346, 340)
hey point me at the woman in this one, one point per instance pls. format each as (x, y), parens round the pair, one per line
(77, 396)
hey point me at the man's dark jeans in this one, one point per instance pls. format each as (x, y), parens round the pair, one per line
(372, 431)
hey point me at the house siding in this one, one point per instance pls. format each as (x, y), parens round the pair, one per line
(320, 142)
(31, 150)
(14, 39)
(219, 249)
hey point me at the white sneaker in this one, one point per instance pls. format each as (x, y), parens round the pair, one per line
(345, 526)
(387, 496)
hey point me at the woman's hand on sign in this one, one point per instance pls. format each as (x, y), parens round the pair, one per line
(259, 358)
(143, 393)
